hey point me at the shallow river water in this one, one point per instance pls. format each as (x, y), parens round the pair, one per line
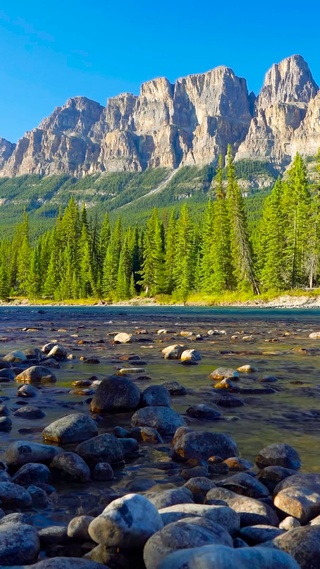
(276, 342)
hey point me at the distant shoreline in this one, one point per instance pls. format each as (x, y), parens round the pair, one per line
(281, 301)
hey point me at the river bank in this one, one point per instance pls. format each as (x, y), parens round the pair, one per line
(293, 300)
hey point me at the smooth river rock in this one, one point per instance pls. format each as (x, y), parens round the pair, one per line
(73, 428)
(115, 394)
(278, 454)
(103, 448)
(36, 375)
(164, 419)
(19, 544)
(202, 444)
(126, 522)
(22, 452)
(221, 557)
(222, 515)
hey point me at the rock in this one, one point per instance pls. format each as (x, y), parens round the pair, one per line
(190, 356)
(238, 464)
(37, 375)
(4, 411)
(245, 484)
(183, 534)
(14, 496)
(299, 496)
(222, 515)
(52, 535)
(273, 475)
(39, 497)
(17, 518)
(58, 352)
(28, 391)
(31, 473)
(115, 557)
(202, 411)
(251, 511)
(164, 419)
(278, 454)
(202, 444)
(170, 497)
(222, 557)
(254, 535)
(155, 395)
(73, 465)
(224, 373)
(146, 435)
(15, 357)
(173, 352)
(174, 388)
(19, 544)
(102, 471)
(314, 335)
(5, 476)
(78, 528)
(290, 523)
(129, 445)
(123, 338)
(21, 452)
(5, 424)
(7, 375)
(247, 368)
(29, 412)
(303, 544)
(127, 522)
(103, 448)
(224, 384)
(73, 428)
(114, 395)
(199, 486)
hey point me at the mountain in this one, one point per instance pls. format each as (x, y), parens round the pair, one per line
(169, 125)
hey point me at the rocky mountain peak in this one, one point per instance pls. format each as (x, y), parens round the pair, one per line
(289, 81)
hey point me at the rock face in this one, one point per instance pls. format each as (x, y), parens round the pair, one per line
(285, 110)
(189, 122)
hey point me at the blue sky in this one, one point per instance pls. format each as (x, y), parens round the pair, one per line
(56, 50)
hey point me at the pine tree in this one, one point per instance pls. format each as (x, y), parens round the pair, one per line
(185, 258)
(271, 241)
(296, 205)
(170, 253)
(241, 251)
(111, 262)
(153, 273)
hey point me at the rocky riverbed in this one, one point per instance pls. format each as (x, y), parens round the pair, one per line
(140, 439)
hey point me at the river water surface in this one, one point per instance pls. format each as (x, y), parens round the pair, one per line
(276, 342)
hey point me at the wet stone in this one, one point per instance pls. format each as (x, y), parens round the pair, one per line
(278, 454)
(29, 412)
(73, 428)
(19, 544)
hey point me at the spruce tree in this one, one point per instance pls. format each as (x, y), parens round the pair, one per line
(241, 250)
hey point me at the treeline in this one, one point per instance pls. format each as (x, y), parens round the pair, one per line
(174, 255)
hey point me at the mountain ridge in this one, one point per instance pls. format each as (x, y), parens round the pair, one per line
(185, 123)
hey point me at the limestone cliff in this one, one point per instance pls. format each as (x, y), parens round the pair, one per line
(189, 122)
(280, 110)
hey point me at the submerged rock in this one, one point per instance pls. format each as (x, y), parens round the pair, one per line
(164, 419)
(103, 448)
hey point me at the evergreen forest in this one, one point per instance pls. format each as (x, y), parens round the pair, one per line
(172, 253)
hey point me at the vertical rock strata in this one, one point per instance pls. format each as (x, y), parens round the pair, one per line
(189, 122)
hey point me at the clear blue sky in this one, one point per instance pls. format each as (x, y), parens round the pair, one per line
(99, 48)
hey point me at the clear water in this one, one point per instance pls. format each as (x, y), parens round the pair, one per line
(280, 346)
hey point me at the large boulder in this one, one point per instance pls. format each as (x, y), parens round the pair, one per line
(299, 496)
(155, 395)
(188, 444)
(36, 374)
(184, 534)
(278, 454)
(303, 544)
(250, 510)
(164, 419)
(126, 522)
(115, 394)
(19, 544)
(72, 465)
(14, 496)
(103, 448)
(73, 428)
(22, 452)
(32, 473)
(222, 515)
(222, 557)
(173, 352)
(245, 484)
